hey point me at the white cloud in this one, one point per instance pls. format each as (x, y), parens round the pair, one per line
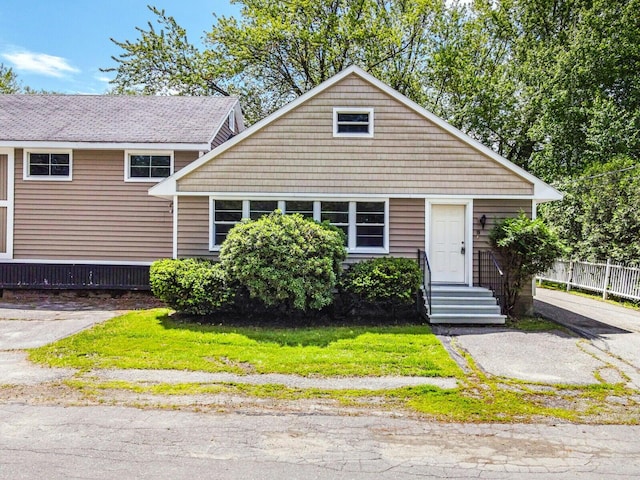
(102, 78)
(40, 63)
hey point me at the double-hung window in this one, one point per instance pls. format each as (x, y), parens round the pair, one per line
(259, 208)
(47, 165)
(148, 166)
(370, 222)
(337, 214)
(226, 213)
(303, 207)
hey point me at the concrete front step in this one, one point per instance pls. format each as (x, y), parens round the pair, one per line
(459, 304)
(466, 309)
(484, 300)
(475, 319)
(459, 291)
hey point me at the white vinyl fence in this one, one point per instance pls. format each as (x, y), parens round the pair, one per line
(607, 278)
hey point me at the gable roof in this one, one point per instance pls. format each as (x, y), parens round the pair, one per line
(542, 191)
(29, 120)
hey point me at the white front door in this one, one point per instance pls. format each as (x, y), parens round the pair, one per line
(447, 248)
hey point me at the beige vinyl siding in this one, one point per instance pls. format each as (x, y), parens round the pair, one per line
(182, 159)
(223, 134)
(406, 227)
(408, 154)
(495, 210)
(97, 216)
(193, 227)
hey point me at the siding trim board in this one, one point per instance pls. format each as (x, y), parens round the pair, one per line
(8, 203)
(321, 195)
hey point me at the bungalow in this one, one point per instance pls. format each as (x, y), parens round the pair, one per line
(75, 170)
(74, 175)
(396, 178)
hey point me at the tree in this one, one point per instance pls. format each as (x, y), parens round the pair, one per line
(599, 216)
(8, 80)
(526, 247)
(591, 110)
(277, 51)
(163, 62)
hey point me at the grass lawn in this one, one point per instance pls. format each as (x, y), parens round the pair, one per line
(151, 339)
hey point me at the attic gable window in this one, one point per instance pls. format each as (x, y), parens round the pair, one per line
(353, 122)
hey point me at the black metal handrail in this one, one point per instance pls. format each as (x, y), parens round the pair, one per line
(490, 276)
(423, 260)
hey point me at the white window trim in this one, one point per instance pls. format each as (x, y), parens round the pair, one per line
(351, 247)
(127, 165)
(232, 121)
(338, 110)
(45, 178)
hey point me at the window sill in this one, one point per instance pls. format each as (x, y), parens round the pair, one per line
(145, 180)
(45, 178)
(368, 250)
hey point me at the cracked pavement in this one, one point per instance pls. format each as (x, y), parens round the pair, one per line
(104, 442)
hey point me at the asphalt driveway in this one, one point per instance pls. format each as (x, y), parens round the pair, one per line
(602, 339)
(34, 324)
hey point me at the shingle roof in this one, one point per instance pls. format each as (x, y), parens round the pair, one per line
(108, 118)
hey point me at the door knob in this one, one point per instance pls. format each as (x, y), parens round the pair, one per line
(462, 250)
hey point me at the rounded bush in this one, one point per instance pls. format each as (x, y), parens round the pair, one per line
(192, 286)
(284, 260)
(384, 279)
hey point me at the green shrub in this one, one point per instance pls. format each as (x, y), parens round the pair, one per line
(192, 286)
(284, 260)
(526, 247)
(384, 280)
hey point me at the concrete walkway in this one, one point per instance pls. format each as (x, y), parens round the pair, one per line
(613, 331)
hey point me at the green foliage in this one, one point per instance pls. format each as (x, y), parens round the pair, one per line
(8, 80)
(526, 247)
(599, 216)
(190, 286)
(284, 260)
(162, 62)
(384, 279)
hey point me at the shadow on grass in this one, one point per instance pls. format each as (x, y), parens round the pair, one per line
(288, 332)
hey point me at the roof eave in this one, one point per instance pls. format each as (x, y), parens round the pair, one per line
(106, 145)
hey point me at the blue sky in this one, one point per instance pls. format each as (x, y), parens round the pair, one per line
(60, 45)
